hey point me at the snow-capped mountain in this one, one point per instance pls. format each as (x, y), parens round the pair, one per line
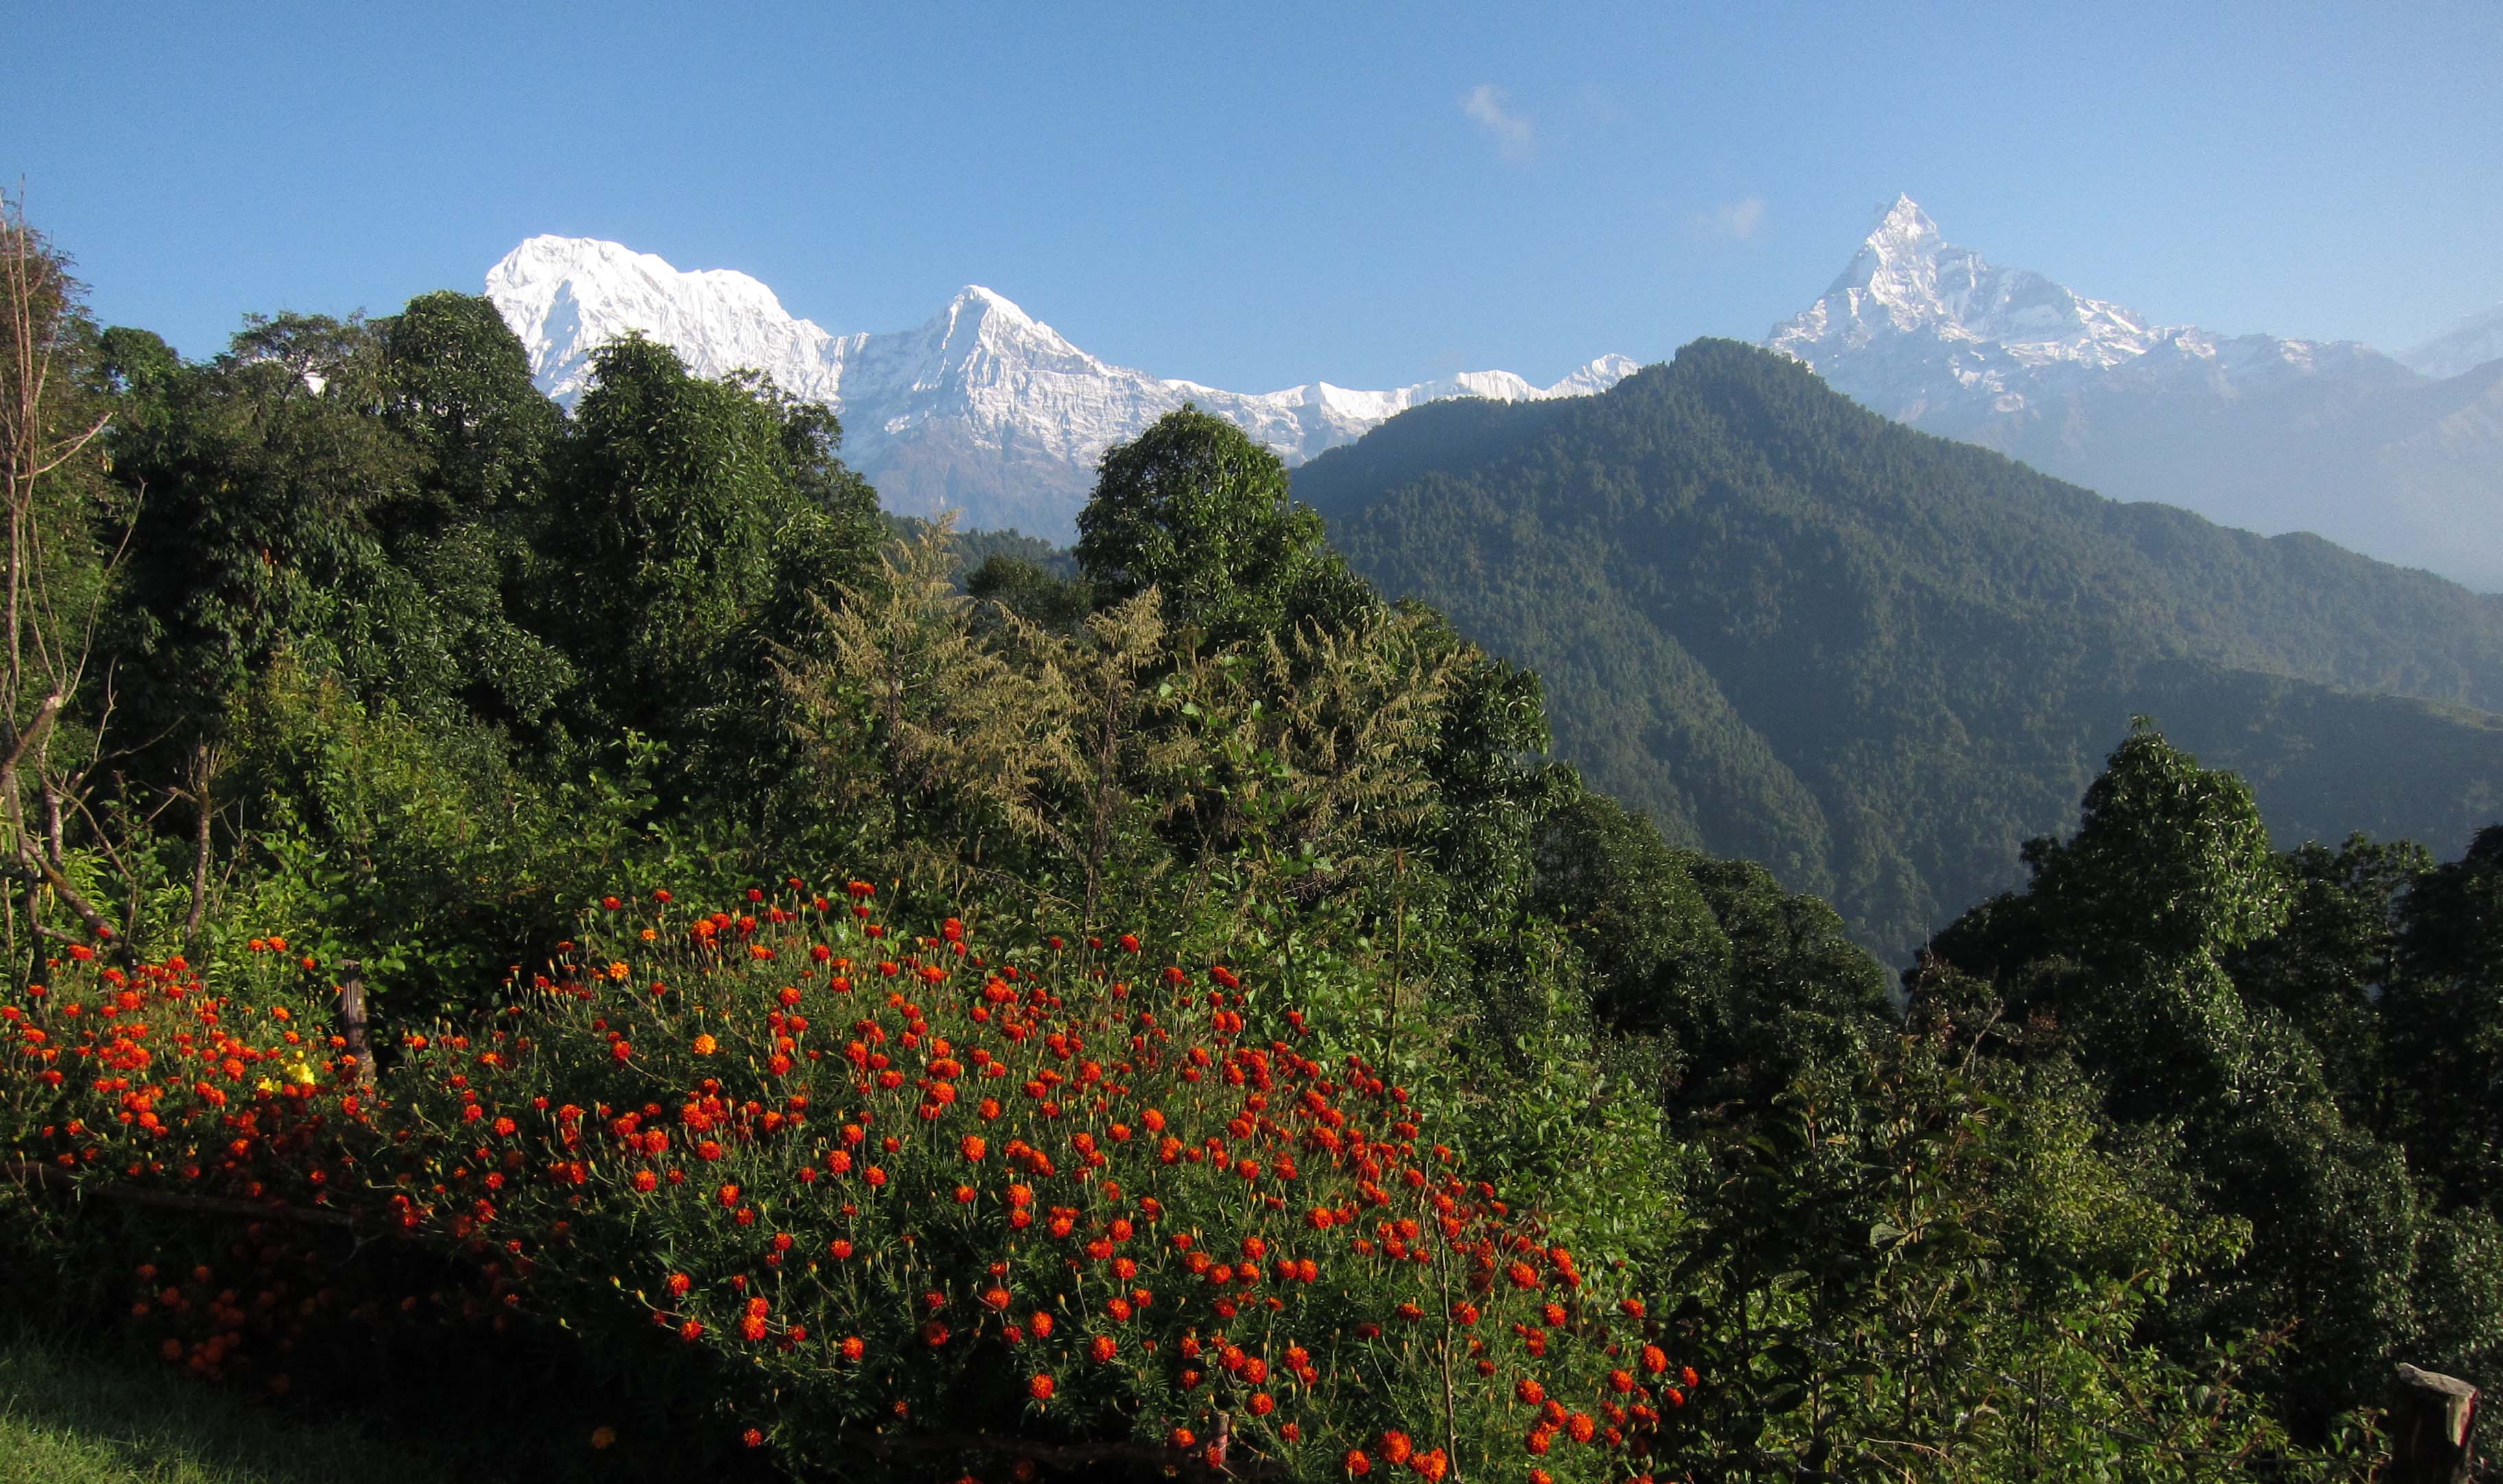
(983, 408)
(2462, 348)
(2254, 431)
(1925, 331)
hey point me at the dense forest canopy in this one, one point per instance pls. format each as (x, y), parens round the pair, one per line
(1793, 631)
(1334, 1081)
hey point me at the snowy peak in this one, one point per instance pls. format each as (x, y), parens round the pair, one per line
(983, 408)
(1897, 260)
(566, 296)
(1907, 279)
(2464, 347)
(2268, 433)
(1921, 328)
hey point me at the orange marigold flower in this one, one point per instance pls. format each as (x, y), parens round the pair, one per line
(1581, 1427)
(1102, 1348)
(1356, 1463)
(1530, 1391)
(1396, 1447)
(1654, 1360)
(853, 1348)
(752, 1439)
(973, 1147)
(704, 1045)
(1040, 1387)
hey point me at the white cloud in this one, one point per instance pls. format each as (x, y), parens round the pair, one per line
(1511, 131)
(1736, 221)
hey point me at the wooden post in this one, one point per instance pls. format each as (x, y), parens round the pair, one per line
(2433, 1428)
(352, 1018)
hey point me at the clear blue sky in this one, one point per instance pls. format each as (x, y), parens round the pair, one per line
(1257, 196)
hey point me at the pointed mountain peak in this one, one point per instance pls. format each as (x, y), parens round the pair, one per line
(974, 299)
(1903, 236)
(1902, 221)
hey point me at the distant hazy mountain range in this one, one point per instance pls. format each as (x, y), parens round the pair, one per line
(983, 409)
(987, 410)
(2401, 459)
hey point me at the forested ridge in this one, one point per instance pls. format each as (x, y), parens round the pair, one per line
(1791, 630)
(578, 925)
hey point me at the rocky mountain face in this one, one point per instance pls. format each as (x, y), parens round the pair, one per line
(2399, 458)
(982, 409)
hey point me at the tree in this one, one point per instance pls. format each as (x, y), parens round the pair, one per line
(55, 576)
(690, 525)
(1195, 510)
(2443, 1021)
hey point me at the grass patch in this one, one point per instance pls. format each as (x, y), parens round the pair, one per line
(71, 1416)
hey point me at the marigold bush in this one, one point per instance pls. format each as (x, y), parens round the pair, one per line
(895, 1197)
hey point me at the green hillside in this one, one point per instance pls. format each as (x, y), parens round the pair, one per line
(1878, 661)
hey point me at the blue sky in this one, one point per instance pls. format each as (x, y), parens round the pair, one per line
(1256, 196)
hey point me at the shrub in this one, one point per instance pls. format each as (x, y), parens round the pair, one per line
(891, 1197)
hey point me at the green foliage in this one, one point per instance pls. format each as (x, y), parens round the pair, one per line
(1794, 631)
(2251, 1011)
(1195, 510)
(2444, 1020)
(692, 520)
(2157, 1159)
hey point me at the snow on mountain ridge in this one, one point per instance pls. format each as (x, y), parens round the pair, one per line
(2464, 347)
(2252, 430)
(1920, 328)
(983, 408)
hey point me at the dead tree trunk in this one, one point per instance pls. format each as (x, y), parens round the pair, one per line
(2433, 1428)
(353, 1025)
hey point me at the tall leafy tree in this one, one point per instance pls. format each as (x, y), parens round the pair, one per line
(690, 523)
(2444, 1020)
(1197, 510)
